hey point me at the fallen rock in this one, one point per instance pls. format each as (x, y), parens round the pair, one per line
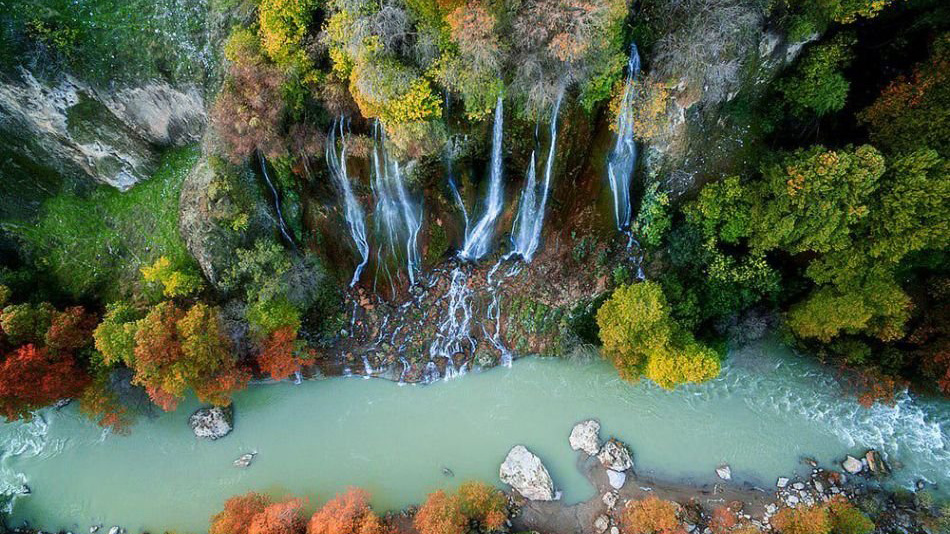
(614, 455)
(724, 472)
(852, 465)
(601, 524)
(610, 499)
(585, 437)
(245, 459)
(616, 478)
(524, 472)
(212, 423)
(782, 482)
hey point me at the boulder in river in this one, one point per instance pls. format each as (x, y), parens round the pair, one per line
(524, 472)
(614, 455)
(584, 437)
(616, 478)
(212, 423)
(724, 472)
(244, 460)
(852, 465)
(876, 463)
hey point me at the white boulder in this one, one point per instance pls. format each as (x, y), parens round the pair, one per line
(601, 524)
(852, 465)
(610, 499)
(244, 460)
(616, 478)
(724, 472)
(585, 437)
(524, 472)
(782, 482)
(212, 423)
(614, 455)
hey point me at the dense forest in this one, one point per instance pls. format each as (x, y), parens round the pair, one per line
(806, 194)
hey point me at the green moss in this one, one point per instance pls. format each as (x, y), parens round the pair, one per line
(438, 244)
(93, 245)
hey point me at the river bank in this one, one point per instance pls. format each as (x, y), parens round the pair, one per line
(767, 410)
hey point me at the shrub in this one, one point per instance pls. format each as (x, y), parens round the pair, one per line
(802, 520)
(26, 323)
(347, 513)
(652, 516)
(280, 354)
(654, 220)
(175, 282)
(284, 24)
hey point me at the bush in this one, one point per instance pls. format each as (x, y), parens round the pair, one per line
(652, 516)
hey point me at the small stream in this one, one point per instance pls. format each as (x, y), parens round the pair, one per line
(767, 410)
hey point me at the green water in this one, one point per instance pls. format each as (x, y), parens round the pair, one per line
(767, 410)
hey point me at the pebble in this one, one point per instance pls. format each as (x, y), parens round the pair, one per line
(799, 486)
(782, 482)
(95, 528)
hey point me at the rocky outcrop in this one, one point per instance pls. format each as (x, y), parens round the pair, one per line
(614, 455)
(212, 423)
(112, 136)
(524, 472)
(585, 437)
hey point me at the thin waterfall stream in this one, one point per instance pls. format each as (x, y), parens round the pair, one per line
(281, 225)
(623, 156)
(353, 211)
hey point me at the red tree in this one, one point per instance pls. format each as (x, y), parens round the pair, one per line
(31, 378)
(238, 513)
(277, 354)
(70, 329)
(347, 513)
(279, 518)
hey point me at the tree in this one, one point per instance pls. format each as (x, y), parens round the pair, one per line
(914, 111)
(640, 337)
(654, 220)
(802, 520)
(174, 282)
(31, 378)
(813, 199)
(474, 503)
(70, 329)
(278, 354)
(238, 513)
(847, 519)
(115, 334)
(652, 516)
(440, 514)
(279, 518)
(347, 513)
(723, 210)
(817, 85)
(26, 323)
(284, 25)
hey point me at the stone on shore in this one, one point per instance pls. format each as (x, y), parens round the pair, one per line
(601, 524)
(610, 499)
(782, 482)
(524, 472)
(614, 455)
(584, 437)
(212, 423)
(876, 463)
(852, 465)
(616, 478)
(724, 472)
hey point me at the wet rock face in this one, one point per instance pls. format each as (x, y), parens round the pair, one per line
(212, 423)
(112, 136)
(584, 437)
(524, 472)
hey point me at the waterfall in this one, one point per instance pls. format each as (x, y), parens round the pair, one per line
(526, 232)
(478, 239)
(353, 211)
(623, 156)
(398, 218)
(454, 333)
(281, 225)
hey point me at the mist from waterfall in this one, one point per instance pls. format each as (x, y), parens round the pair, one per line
(478, 238)
(526, 231)
(398, 217)
(623, 155)
(353, 211)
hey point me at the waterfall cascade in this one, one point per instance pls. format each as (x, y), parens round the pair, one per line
(478, 238)
(526, 232)
(281, 225)
(353, 211)
(623, 155)
(398, 217)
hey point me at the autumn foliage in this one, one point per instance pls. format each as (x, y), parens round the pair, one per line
(347, 513)
(652, 516)
(474, 502)
(32, 377)
(277, 356)
(838, 516)
(255, 513)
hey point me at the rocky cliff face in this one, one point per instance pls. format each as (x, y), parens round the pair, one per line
(112, 136)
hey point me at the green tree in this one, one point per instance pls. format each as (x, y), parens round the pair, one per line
(816, 85)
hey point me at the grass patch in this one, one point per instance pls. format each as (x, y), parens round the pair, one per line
(93, 245)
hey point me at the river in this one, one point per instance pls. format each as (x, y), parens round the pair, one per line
(767, 410)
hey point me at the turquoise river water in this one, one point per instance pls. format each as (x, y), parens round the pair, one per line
(767, 410)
